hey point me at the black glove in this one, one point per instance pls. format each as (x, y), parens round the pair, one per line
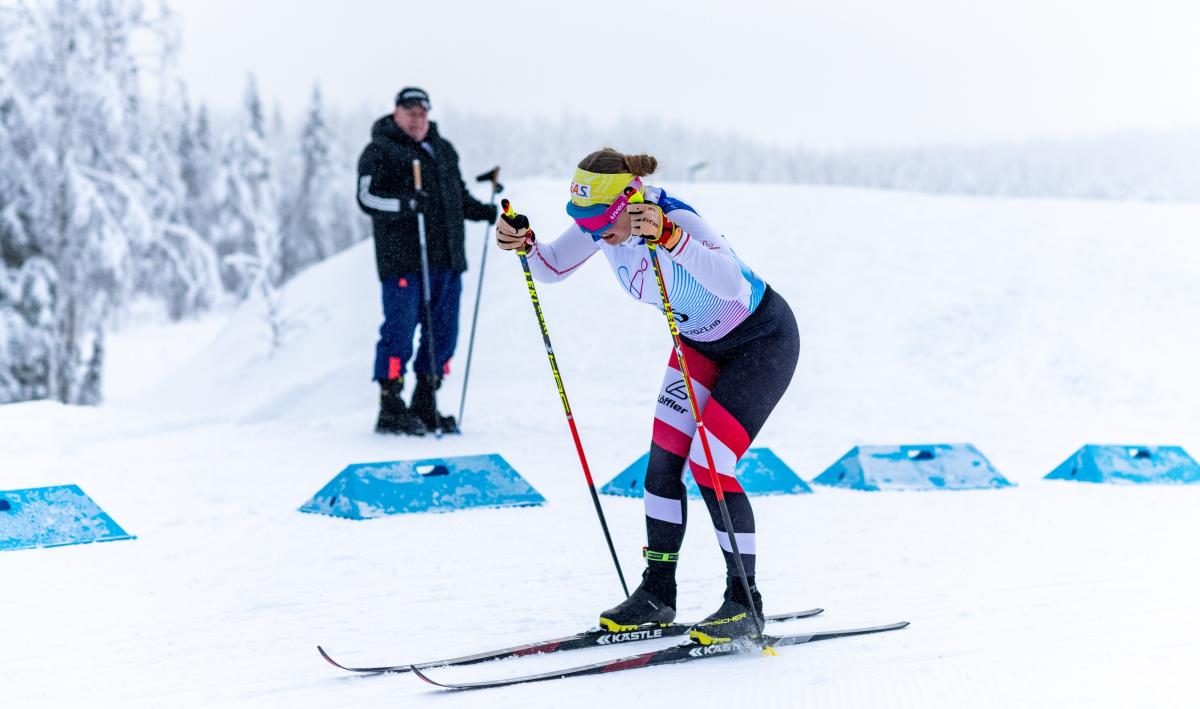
(495, 212)
(417, 201)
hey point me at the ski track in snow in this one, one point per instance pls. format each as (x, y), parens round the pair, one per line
(1027, 327)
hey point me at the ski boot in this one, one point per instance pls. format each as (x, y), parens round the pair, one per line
(394, 416)
(651, 603)
(425, 406)
(733, 621)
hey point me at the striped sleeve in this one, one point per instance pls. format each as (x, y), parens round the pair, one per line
(375, 202)
(370, 202)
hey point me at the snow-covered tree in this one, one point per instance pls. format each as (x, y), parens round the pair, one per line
(72, 120)
(91, 194)
(199, 165)
(246, 232)
(320, 217)
(178, 267)
(28, 279)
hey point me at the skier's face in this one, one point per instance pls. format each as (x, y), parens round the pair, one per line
(414, 121)
(620, 230)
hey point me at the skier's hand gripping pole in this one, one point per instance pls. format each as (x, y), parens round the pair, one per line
(519, 226)
(512, 230)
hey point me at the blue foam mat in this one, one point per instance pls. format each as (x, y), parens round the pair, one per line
(939, 466)
(53, 516)
(1129, 465)
(759, 472)
(369, 490)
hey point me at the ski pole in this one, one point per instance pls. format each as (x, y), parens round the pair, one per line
(493, 176)
(428, 334)
(703, 433)
(520, 221)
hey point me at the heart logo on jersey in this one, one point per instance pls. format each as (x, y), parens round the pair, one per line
(636, 282)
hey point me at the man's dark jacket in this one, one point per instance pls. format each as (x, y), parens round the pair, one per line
(385, 186)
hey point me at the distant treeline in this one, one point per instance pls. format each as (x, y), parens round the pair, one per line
(1137, 166)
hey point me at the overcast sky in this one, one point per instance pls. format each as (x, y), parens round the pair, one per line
(830, 74)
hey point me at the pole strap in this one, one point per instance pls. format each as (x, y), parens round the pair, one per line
(667, 556)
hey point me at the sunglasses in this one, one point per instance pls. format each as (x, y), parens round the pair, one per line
(411, 103)
(597, 218)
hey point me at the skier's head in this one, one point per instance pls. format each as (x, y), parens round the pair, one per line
(603, 186)
(412, 112)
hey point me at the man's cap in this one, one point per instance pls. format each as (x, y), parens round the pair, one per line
(410, 95)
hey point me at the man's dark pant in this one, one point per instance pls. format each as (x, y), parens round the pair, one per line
(403, 309)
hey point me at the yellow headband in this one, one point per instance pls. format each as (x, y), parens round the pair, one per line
(588, 188)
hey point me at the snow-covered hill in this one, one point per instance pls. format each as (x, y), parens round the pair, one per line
(1026, 327)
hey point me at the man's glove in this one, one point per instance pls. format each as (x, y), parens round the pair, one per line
(495, 212)
(648, 222)
(512, 230)
(417, 201)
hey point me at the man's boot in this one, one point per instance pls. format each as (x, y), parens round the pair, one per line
(394, 414)
(424, 405)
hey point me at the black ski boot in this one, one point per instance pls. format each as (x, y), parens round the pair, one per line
(651, 603)
(394, 415)
(733, 620)
(424, 405)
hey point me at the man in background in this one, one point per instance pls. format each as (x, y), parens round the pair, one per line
(387, 192)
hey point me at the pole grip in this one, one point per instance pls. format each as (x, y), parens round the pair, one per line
(509, 215)
(417, 174)
(492, 175)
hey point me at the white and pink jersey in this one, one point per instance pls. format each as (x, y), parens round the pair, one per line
(711, 290)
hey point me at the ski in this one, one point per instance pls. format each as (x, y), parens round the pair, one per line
(589, 638)
(675, 654)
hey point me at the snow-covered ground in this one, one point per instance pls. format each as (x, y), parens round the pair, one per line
(1025, 327)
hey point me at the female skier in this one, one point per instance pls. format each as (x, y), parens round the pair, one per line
(741, 345)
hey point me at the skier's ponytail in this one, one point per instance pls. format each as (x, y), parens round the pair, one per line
(610, 162)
